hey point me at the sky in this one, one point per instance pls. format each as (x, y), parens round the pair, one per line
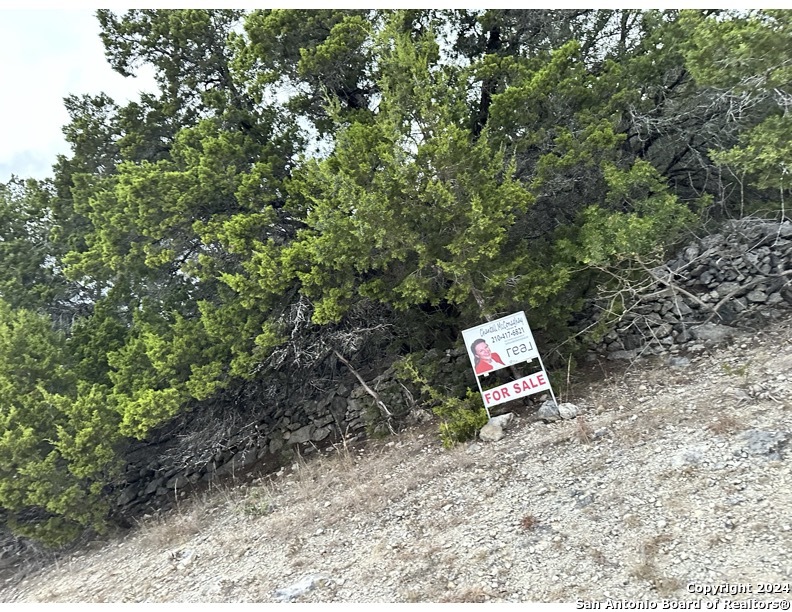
(45, 55)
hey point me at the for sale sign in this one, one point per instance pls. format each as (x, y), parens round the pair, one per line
(504, 342)
(500, 343)
(522, 387)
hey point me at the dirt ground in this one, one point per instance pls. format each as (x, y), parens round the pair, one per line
(673, 483)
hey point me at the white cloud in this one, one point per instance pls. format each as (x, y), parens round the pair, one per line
(46, 55)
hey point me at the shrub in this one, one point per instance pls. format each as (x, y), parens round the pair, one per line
(460, 419)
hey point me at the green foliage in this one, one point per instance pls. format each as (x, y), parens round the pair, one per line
(743, 49)
(461, 411)
(460, 419)
(650, 216)
(187, 48)
(257, 503)
(740, 371)
(764, 153)
(379, 208)
(300, 167)
(745, 55)
(56, 440)
(28, 275)
(316, 54)
(165, 363)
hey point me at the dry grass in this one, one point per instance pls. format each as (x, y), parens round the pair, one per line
(642, 426)
(323, 490)
(171, 531)
(632, 521)
(599, 556)
(652, 546)
(666, 586)
(466, 595)
(413, 595)
(647, 568)
(725, 424)
(315, 477)
(716, 540)
(258, 501)
(529, 522)
(583, 430)
(375, 518)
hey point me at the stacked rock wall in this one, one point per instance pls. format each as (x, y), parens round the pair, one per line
(739, 276)
(158, 469)
(275, 434)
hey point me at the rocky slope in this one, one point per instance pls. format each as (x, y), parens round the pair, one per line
(676, 473)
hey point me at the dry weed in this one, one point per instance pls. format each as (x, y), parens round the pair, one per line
(529, 522)
(363, 480)
(466, 595)
(328, 488)
(583, 430)
(599, 556)
(631, 434)
(299, 563)
(647, 568)
(716, 540)
(169, 532)
(632, 521)
(313, 477)
(650, 547)
(413, 595)
(724, 424)
(432, 550)
(666, 586)
(258, 501)
(295, 546)
(634, 430)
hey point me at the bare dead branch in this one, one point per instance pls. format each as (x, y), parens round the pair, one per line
(383, 408)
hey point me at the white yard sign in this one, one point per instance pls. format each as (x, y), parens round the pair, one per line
(501, 343)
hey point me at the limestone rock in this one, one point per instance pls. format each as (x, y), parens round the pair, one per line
(728, 288)
(567, 410)
(491, 432)
(623, 355)
(678, 362)
(127, 496)
(690, 455)
(301, 435)
(503, 421)
(757, 296)
(301, 587)
(276, 443)
(681, 308)
(770, 443)
(154, 485)
(549, 411)
(712, 333)
(176, 482)
(321, 434)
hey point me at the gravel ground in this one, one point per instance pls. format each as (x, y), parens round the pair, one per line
(672, 479)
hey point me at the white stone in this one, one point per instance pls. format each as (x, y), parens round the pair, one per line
(491, 433)
(567, 410)
(299, 588)
(503, 421)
